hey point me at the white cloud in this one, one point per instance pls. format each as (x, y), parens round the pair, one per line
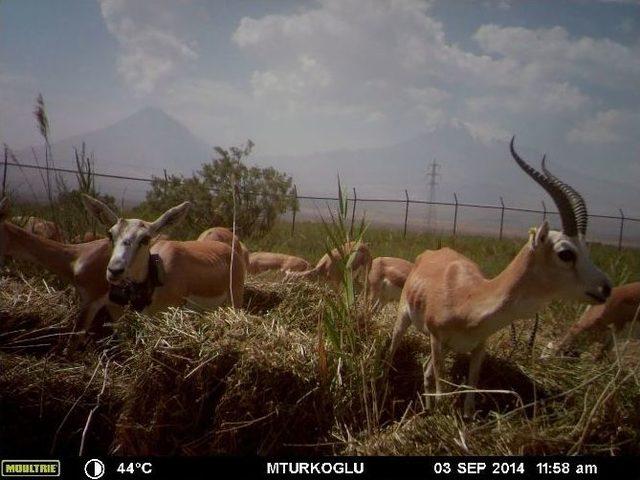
(385, 68)
(150, 50)
(550, 54)
(609, 126)
(484, 131)
(371, 61)
(391, 60)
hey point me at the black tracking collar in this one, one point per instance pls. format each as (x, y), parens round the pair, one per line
(138, 295)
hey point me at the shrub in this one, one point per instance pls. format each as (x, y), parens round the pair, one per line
(260, 194)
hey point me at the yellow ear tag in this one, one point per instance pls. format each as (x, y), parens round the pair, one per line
(532, 234)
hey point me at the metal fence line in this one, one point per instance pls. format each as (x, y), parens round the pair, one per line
(69, 170)
(622, 218)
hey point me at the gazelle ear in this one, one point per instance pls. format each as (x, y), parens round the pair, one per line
(540, 236)
(4, 208)
(99, 210)
(172, 216)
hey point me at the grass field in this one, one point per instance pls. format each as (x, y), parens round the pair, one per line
(269, 379)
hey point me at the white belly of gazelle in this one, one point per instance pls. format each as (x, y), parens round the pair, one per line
(206, 303)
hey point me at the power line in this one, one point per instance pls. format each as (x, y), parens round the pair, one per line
(432, 176)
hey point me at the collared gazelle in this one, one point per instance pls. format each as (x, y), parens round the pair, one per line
(386, 278)
(200, 274)
(265, 261)
(328, 267)
(618, 312)
(224, 235)
(83, 265)
(447, 297)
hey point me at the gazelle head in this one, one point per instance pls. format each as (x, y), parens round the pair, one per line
(562, 257)
(131, 239)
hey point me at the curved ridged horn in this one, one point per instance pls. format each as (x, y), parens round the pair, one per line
(579, 206)
(559, 196)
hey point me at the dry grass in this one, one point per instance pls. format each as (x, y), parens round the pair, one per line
(263, 380)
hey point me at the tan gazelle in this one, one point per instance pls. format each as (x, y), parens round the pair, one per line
(264, 261)
(225, 235)
(200, 274)
(447, 297)
(618, 312)
(328, 268)
(40, 226)
(83, 265)
(386, 279)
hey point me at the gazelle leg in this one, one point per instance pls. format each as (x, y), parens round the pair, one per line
(83, 324)
(403, 321)
(436, 364)
(475, 363)
(373, 296)
(428, 373)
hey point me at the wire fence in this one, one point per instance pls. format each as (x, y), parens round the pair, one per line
(397, 210)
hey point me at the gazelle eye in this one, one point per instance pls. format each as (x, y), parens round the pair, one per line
(145, 241)
(567, 256)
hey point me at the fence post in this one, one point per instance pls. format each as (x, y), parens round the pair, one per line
(406, 214)
(4, 172)
(455, 215)
(295, 209)
(501, 217)
(166, 181)
(353, 211)
(544, 211)
(621, 229)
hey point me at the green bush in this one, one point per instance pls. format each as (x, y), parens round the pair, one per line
(261, 194)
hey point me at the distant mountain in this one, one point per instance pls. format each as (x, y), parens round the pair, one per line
(478, 172)
(140, 145)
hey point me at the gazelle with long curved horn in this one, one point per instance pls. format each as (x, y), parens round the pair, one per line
(167, 273)
(447, 297)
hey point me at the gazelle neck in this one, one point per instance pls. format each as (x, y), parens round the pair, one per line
(56, 257)
(519, 291)
(139, 270)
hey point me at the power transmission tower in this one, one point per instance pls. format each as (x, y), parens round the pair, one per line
(433, 173)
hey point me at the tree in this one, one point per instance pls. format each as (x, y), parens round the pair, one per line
(258, 195)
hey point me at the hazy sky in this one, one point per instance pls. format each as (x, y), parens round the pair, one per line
(301, 77)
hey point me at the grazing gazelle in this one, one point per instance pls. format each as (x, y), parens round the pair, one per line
(82, 265)
(40, 226)
(87, 237)
(328, 268)
(447, 297)
(224, 235)
(618, 312)
(386, 279)
(152, 276)
(264, 261)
